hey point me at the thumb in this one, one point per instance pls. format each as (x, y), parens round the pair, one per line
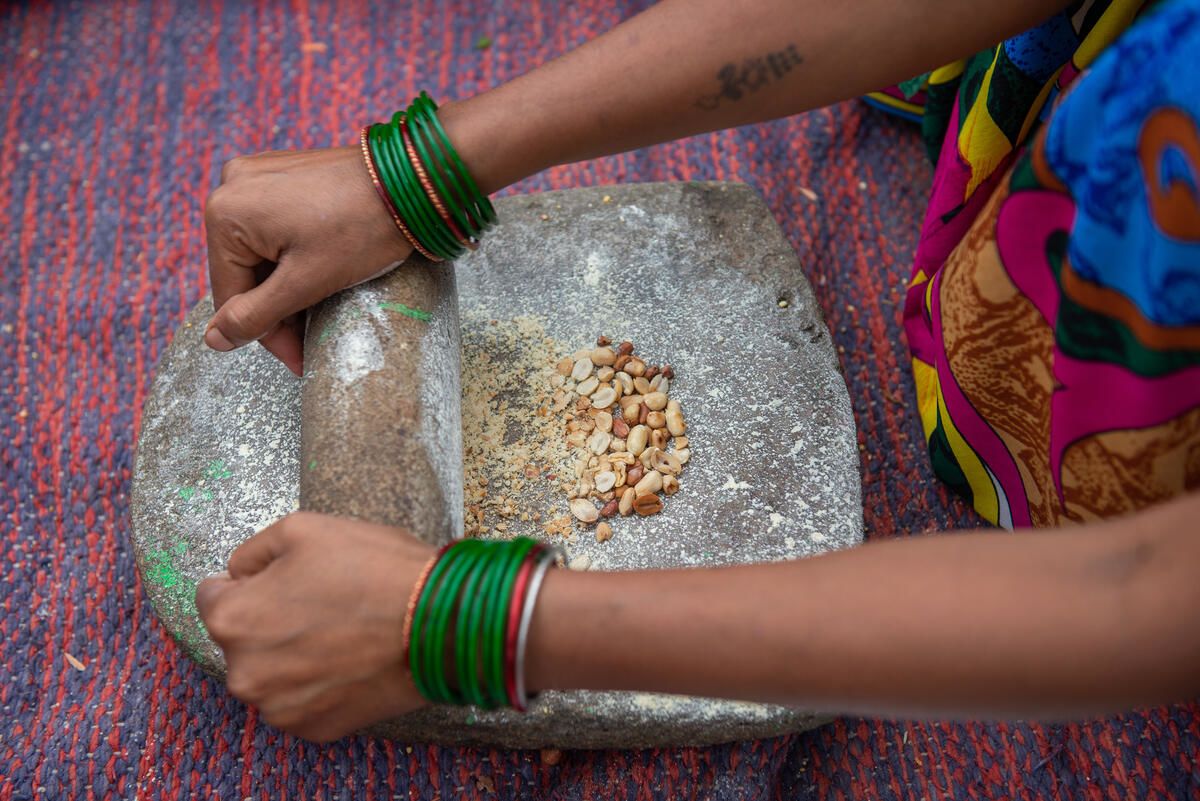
(256, 312)
(209, 590)
(253, 555)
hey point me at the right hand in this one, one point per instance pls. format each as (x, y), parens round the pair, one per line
(310, 617)
(287, 229)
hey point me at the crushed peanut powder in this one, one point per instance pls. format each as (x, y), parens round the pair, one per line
(522, 437)
(514, 453)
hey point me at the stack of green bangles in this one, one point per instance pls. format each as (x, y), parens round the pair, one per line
(427, 189)
(468, 621)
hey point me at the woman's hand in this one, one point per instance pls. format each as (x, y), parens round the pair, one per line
(311, 620)
(285, 230)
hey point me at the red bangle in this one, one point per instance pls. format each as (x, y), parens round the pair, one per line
(514, 622)
(387, 201)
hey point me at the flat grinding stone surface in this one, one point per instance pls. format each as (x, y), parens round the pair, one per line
(690, 272)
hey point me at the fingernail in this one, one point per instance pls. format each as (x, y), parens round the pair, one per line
(224, 574)
(216, 340)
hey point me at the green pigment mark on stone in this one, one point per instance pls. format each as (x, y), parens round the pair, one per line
(162, 570)
(416, 314)
(312, 465)
(217, 470)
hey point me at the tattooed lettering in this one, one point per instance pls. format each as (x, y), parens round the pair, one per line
(753, 74)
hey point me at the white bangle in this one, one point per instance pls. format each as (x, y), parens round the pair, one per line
(535, 584)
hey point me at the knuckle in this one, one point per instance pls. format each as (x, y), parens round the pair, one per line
(244, 685)
(238, 320)
(218, 208)
(221, 624)
(232, 168)
(295, 527)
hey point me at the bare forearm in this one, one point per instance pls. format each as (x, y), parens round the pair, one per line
(658, 76)
(1080, 621)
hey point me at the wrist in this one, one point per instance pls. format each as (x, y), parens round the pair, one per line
(470, 619)
(499, 139)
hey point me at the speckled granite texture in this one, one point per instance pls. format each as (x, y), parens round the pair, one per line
(697, 270)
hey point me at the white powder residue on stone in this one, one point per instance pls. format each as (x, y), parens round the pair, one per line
(596, 267)
(732, 483)
(676, 706)
(357, 354)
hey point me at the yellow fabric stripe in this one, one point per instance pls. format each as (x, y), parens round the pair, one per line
(929, 403)
(980, 141)
(896, 102)
(1112, 23)
(987, 503)
(925, 377)
(947, 73)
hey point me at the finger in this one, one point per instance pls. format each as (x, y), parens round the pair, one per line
(253, 555)
(209, 590)
(255, 312)
(286, 343)
(231, 261)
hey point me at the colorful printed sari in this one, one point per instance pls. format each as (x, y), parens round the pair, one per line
(1053, 312)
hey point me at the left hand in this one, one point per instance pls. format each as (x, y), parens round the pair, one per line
(286, 230)
(310, 618)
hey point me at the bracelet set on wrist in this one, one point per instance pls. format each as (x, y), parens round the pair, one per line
(467, 622)
(424, 184)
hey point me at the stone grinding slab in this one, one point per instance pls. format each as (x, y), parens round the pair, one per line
(692, 273)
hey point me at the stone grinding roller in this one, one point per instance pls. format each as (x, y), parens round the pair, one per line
(381, 423)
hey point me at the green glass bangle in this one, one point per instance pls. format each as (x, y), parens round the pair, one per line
(389, 175)
(465, 631)
(418, 643)
(424, 662)
(473, 621)
(444, 604)
(447, 245)
(496, 621)
(457, 202)
(401, 184)
(472, 588)
(400, 191)
(425, 109)
(424, 103)
(475, 203)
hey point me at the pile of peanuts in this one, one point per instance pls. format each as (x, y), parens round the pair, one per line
(628, 436)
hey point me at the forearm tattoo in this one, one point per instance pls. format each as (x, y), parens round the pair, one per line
(753, 74)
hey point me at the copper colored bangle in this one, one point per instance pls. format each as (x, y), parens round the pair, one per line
(433, 196)
(411, 609)
(387, 201)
